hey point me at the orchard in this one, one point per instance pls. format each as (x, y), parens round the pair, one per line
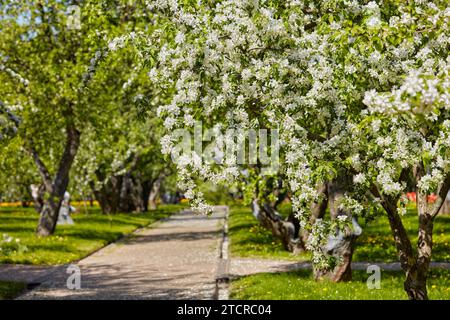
(323, 126)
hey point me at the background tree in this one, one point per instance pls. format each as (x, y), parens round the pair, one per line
(48, 64)
(312, 70)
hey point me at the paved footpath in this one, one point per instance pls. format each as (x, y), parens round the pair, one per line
(175, 259)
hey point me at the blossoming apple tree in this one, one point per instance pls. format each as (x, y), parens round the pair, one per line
(359, 92)
(49, 54)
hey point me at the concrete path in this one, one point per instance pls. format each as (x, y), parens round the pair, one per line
(175, 259)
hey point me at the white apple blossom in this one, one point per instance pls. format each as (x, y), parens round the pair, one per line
(354, 89)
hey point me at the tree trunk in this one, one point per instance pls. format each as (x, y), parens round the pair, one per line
(136, 194)
(288, 231)
(131, 199)
(56, 188)
(416, 277)
(108, 195)
(49, 216)
(146, 189)
(126, 201)
(414, 287)
(445, 206)
(318, 209)
(342, 246)
(415, 266)
(37, 193)
(123, 193)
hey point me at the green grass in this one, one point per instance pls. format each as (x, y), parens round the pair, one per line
(90, 232)
(249, 239)
(299, 285)
(9, 290)
(376, 242)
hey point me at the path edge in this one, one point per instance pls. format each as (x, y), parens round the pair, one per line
(222, 288)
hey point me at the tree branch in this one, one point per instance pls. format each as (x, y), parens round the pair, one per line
(70, 151)
(442, 195)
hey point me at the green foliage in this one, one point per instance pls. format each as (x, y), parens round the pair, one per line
(88, 76)
(218, 195)
(17, 172)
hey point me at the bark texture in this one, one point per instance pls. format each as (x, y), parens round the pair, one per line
(415, 263)
(154, 194)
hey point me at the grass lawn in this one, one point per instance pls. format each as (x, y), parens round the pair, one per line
(249, 239)
(9, 290)
(90, 232)
(376, 242)
(299, 285)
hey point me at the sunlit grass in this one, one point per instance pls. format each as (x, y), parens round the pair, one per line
(300, 285)
(91, 231)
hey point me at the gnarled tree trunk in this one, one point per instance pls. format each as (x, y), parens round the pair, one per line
(127, 193)
(108, 195)
(130, 199)
(288, 230)
(154, 194)
(416, 277)
(281, 229)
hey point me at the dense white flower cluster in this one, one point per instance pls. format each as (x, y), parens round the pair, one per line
(346, 89)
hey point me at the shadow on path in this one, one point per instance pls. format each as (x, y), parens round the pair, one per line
(175, 259)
